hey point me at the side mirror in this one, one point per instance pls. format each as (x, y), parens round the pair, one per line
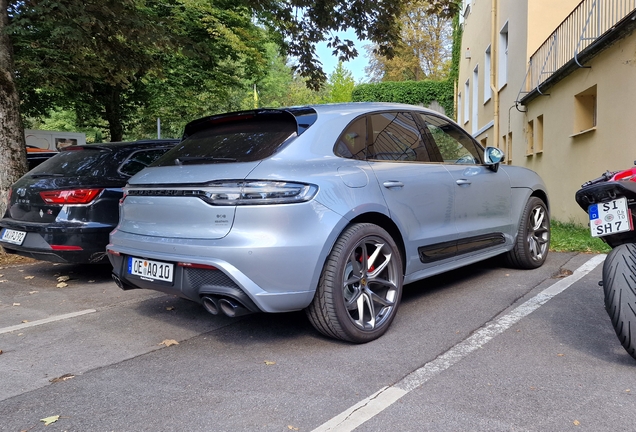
(493, 157)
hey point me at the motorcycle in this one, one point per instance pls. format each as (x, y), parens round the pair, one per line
(610, 202)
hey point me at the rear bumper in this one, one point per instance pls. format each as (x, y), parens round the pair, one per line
(274, 262)
(81, 244)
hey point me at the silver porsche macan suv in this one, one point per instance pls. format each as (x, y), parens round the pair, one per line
(328, 208)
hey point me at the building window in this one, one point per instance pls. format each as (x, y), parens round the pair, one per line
(459, 108)
(585, 111)
(475, 97)
(487, 89)
(538, 139)
(503, 56)
(530, 138)
(466, 104)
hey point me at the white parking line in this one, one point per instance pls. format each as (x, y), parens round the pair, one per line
(367, 408)
(45, 321)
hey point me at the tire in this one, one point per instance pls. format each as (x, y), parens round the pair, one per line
(619, 285)
(533, 237)
(360, 286)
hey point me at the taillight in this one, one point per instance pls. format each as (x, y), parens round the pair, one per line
(72, 196)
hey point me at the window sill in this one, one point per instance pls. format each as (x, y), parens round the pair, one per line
(583, 132)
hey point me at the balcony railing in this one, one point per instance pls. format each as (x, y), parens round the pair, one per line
(587, 23)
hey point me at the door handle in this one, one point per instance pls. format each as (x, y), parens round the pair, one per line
(462, 182)
(393, 184)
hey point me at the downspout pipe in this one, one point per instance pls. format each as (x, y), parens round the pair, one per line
(494, 70)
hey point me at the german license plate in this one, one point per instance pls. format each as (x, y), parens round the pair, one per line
(610, 217)
(150, 270)
(13, 236)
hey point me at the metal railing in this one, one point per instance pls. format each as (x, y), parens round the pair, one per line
(588, 22)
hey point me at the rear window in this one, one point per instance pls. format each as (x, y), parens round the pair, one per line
(86, 162)
(243, 140)
(99, 161)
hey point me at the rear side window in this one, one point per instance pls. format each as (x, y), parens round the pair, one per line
(140, 160)
(396, 137)
(243, 140)
(352, 144)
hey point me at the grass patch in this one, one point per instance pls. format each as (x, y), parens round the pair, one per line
(571, 237)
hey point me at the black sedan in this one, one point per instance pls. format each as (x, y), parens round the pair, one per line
(64, 209)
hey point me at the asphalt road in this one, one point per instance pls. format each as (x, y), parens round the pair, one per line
(485, 348)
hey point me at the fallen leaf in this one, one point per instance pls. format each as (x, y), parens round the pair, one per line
(62, 285)
(91, 281)
(0, 351)
(576, 422)
(63, 278)
(562, 273)
(290, 427)
(20, 270)
(169, 342)
(170, 308)
(269, 363)
(29, 277)
(16, 304)
(1, 275)
(33, 292)
(560, 355)
(3, 280)
(25, 321)
(627, 391)
(62, 378)
(48, 420)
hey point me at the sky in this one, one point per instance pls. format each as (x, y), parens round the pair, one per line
(356, 66)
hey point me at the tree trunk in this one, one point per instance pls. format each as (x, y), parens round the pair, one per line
(12, 146)
(112, 107)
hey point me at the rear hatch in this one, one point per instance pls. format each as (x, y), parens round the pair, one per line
(72, 177)
(193, 190)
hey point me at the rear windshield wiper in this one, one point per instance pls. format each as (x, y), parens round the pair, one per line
(201, 159)
(42, 175)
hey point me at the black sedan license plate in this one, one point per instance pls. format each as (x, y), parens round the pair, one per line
(150, 270)
(13, 236)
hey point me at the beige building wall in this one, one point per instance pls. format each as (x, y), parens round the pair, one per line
(545, 135)
(570, 158)
(543, 17)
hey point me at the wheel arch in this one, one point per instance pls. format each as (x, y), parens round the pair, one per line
(543, 196)
(388, 225)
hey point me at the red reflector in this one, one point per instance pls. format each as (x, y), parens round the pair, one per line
(72, 196)
(199, 266)
(112, 252)
(64, 247)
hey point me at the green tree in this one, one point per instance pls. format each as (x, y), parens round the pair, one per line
(424, 52)
(340, 85)
(118, 56)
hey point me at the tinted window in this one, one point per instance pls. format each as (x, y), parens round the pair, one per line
(454, 145)
(140, 160)
(396, 137)
(352, 142)
(247, 140)
(85, 162)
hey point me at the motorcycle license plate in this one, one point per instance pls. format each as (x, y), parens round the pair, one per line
(611, 217)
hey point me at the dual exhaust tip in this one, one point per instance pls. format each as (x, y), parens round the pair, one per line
(227, 306)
